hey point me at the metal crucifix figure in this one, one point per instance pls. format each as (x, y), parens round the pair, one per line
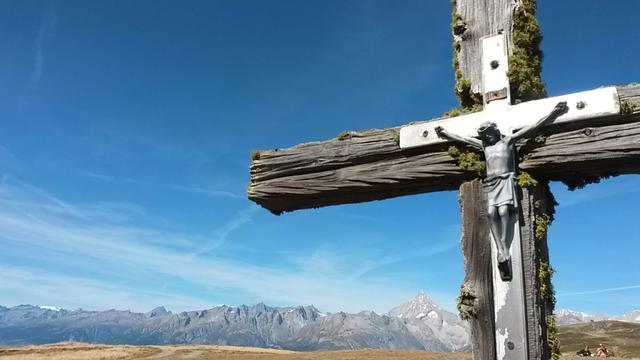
(499, 184)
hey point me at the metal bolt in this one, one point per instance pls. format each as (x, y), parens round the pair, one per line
(511, 345)
(589, 132)
(494, 64)
(425, 133)
(580, 105)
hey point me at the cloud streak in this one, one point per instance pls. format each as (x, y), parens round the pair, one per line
(600, 291)
(44, 35)
(181, 188)
(131, 263)
(221, 235)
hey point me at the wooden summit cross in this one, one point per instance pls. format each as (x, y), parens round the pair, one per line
(497, 63)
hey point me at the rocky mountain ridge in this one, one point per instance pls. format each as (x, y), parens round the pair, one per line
(417, 324)
(570, 317)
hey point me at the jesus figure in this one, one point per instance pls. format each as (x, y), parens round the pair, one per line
(499, 184)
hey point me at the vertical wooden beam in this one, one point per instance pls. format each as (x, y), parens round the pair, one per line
(476, 295)
(471, 21)
(537, 207)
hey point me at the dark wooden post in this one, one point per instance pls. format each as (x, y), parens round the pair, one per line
(472, 20)
(476, 294)
(537, 208)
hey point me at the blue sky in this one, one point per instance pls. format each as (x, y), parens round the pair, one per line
(126, 128)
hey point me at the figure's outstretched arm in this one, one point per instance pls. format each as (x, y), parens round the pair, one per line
(558, 110)
(444, 134)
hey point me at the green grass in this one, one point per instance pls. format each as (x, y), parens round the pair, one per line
(621, 337)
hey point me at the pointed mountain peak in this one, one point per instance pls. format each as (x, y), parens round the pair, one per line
(422, 298)
(420, 306)
(159, 311)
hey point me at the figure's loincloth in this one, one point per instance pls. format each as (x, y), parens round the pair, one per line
(500, 189)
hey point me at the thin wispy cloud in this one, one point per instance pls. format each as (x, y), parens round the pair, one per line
(600, 291)
(79, 292)
(220, 236)
(45, 33)
(174, 187)
(43, 37)
(134, 261)
(339, 260)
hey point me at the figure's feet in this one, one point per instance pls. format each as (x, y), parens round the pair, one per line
(502, 257)
(505, 270)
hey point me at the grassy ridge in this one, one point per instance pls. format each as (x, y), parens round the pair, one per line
(621, 337)
(81, 351)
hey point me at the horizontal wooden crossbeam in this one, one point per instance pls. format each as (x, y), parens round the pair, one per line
(369, 165)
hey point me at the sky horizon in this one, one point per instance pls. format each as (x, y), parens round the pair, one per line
(127, 127)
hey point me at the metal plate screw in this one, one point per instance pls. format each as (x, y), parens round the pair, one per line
(580, 105)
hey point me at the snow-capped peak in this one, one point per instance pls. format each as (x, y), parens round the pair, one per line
(421, 306)
(52, 308)
(423, 298)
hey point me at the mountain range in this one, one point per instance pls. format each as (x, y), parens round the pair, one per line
(416, 324)
(570, 317)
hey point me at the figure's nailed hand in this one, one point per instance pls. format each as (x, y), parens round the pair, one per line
(561, 108)
(439, 130)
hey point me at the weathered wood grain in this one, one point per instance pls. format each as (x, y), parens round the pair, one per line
(481, 18)
(477, 301)
(537, 200)
(369, 165)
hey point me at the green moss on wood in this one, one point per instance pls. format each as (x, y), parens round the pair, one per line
(255, 155)
(462, 111)
(452, 113)
(552, 335)
(466, 304)
(344, 135)
(469, 101)
(396, 136)
(547, 294)
(466, 97)
(542, 224)
(627, 108)
(525, 180)
(579, 181)
(468, 160)
(525, 61)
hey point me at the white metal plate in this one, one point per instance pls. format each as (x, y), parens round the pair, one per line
(597, 103)
(495, 79)
(509, 302)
